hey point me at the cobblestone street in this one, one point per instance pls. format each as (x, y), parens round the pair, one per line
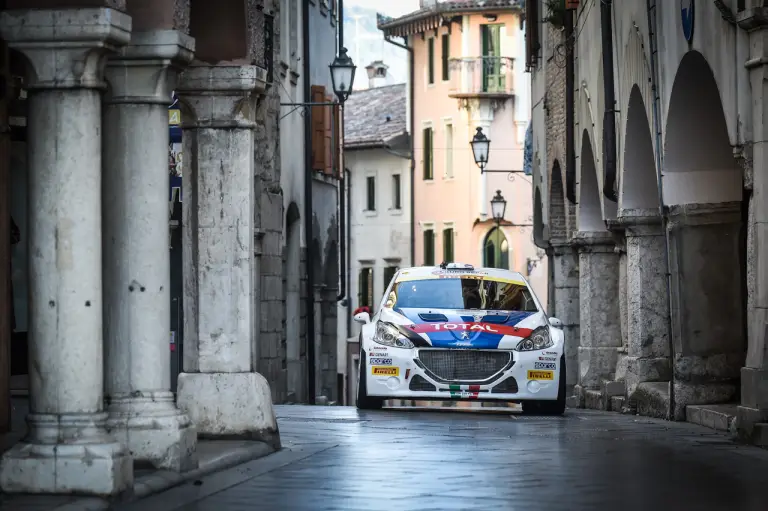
(336, 458)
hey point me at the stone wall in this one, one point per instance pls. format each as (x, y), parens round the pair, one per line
(269, 213)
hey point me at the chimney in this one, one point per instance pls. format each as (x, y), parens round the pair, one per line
(377, 74)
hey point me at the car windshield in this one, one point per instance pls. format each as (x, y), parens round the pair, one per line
(462, 293)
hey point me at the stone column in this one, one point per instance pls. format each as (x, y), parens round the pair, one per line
(137, 308)
(220, 389)
(600, 325)
(707, 309)
(67, 448)
(752, 415)
(647, 308)
(565, 260)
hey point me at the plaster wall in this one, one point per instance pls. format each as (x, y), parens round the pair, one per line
(381, 238)
(464, 196)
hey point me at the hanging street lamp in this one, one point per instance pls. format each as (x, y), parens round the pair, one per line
(498, 207)
(480, 146)
(342, 75)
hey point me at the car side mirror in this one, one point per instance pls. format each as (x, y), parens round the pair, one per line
(363, 318)
(555, 322)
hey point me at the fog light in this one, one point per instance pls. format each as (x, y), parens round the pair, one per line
(393, 382)
(533, 386)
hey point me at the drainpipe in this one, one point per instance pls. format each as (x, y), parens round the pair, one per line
(570, 155)
(663, 210)
(609, 118)
(308, 207)
(342, 179)
(348, 181)
(412, 119)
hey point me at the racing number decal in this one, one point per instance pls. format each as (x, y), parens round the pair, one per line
(541, 375)
(385, 371)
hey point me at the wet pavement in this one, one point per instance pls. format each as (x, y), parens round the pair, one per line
(336, 458)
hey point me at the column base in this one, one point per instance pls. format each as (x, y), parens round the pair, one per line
(229, 405)
(90, 463)
(597, 365)
(642, 370)
(687, 393)
(154, 431)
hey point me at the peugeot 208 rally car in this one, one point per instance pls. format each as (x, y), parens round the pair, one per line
(459, 333)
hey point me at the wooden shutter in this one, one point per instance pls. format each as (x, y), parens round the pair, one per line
(317, 117)
(428, 153)
(337, 140)
(328, 136)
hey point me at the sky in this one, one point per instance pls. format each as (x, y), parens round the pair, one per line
(389, 7)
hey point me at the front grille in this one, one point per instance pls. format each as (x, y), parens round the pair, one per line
(508, 386)
(464, 365)
(420, 384)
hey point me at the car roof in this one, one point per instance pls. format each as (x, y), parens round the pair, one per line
(422, 272)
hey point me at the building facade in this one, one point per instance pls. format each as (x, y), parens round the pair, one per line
(662, 202)
(378, 164)
(86, 169)
(468, 73)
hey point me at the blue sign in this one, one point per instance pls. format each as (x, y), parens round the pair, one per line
(687, 8)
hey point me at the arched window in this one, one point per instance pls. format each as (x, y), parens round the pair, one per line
(496, 250)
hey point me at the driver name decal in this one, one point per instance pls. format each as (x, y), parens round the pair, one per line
(488, 328)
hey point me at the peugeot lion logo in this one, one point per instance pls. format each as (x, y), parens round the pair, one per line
(478, 318)
(464, 335)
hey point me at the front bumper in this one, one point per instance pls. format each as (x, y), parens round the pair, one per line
(464, 374)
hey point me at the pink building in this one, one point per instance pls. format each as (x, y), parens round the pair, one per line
(468, 72)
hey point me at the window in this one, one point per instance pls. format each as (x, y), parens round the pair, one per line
(389, 273)
(496, 250)
(396, 191)
(471, 292)
(365, 288)
(448, 245)
(428, 170)
(446, 40)
(431, 60)
(448, 150)
(370, 190)
(493, 74)
(429, 247)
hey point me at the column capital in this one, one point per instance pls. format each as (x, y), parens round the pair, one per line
(704, 214)
(146, 71)
(594, 241)
(640, 222)
(66, 48)
(221, 96)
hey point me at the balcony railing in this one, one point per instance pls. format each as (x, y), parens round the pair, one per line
(481, 76)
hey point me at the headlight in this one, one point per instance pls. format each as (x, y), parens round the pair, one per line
(538, 340)
(388, 335)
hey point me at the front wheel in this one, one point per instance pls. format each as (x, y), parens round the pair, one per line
(556, 407)
(363, 401)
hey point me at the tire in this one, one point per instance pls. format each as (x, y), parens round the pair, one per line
(363, 401)
(556, 407)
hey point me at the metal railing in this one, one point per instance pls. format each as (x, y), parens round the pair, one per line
(481, 75)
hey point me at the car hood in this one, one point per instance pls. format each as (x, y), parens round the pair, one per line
(479, 329)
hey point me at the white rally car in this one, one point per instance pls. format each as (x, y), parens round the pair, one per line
(459, 333)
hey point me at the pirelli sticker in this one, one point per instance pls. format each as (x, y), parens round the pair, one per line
(385, 371)
(541, 375)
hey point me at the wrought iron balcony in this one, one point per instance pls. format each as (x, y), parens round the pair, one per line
(478, 77)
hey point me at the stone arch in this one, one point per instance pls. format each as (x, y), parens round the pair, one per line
(638, 183)
(496, 249)
(699, 166)
(293, 271)
(558, 228)
(220, 30)
(590, 215)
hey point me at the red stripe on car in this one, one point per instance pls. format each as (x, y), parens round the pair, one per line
(489, 328)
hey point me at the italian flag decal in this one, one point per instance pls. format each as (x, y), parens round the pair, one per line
(464, 391)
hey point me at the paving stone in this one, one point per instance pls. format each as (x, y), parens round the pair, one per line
(341, 459)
